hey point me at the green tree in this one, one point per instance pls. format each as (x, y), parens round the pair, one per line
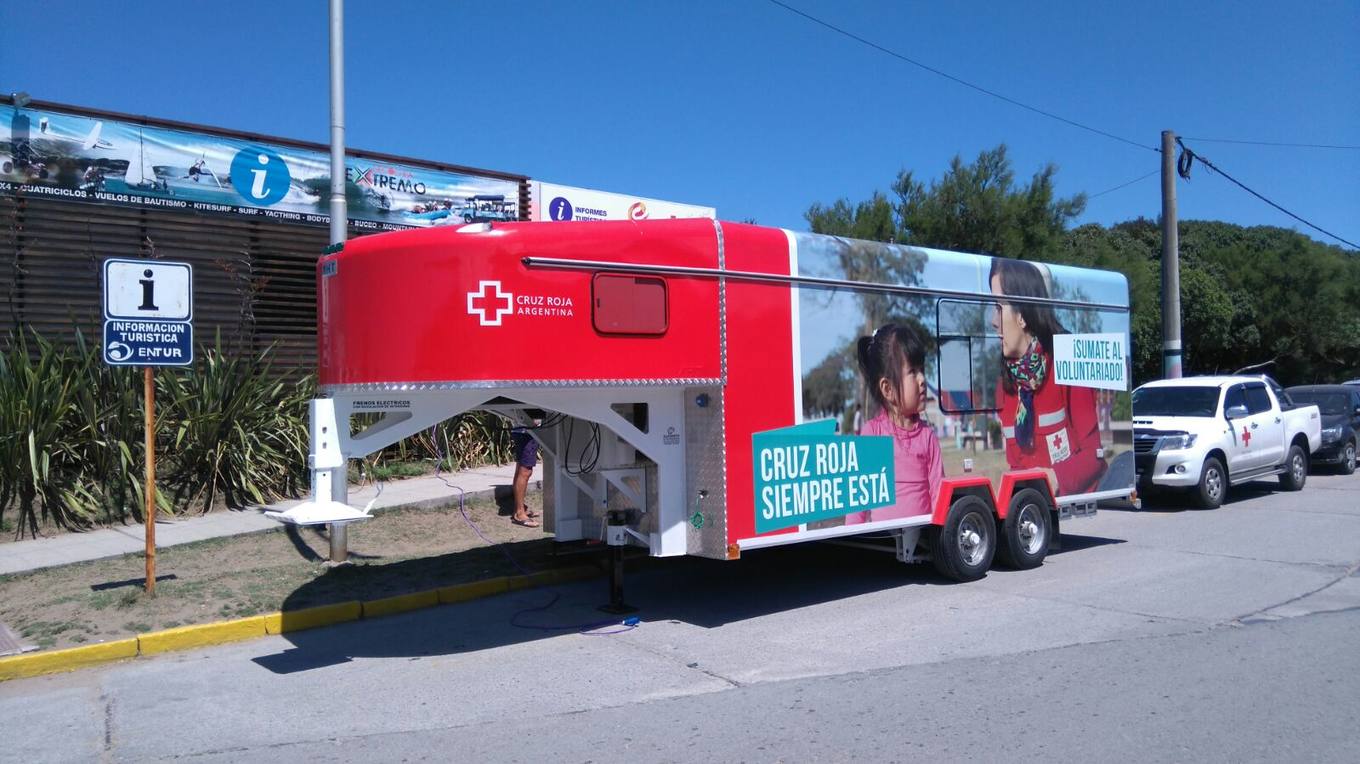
(979, 207)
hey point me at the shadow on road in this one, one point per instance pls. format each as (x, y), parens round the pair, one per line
(700, 592)
(1181, 501)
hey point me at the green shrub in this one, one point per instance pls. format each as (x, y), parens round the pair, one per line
(228, 427)
(236, 430)
(40, 468)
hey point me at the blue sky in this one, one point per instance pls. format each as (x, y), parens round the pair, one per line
(745, 106)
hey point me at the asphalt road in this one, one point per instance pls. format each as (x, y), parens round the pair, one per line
(1156, 635)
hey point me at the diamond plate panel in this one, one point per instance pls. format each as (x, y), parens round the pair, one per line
(705, 470)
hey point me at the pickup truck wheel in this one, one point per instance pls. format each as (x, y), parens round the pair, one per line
(1348, 459)
(1213, 482)
(1295, 470)
(967, 540)
(1025, 532)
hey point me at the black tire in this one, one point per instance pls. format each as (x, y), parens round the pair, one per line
(1213, 484)
(1027, 530)
(1348, 458)
(1295, 470)
(966, 542)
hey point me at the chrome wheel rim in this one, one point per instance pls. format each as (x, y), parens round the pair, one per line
(1030, 526)
(1349, 460)
(1296, 468)
(1213, 483)
(972, 539)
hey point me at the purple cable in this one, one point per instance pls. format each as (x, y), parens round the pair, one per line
(586, 629)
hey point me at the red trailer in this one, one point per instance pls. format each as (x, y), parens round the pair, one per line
(703, 388)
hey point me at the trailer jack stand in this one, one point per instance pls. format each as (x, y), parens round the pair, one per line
(617, 536)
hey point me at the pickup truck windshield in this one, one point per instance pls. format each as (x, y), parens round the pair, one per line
(1327, 403)
(1175, 401)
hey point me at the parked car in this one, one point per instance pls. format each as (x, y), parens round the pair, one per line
(1340, 409)
(1208, 433)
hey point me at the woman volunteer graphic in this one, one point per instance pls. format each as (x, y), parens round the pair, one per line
(1046, 425)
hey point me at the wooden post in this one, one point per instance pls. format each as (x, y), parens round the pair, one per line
(149, 389)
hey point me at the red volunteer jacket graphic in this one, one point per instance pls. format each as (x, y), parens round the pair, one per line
(1066, 434)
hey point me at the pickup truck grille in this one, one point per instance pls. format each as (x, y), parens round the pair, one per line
(1145, 443)
(1149, 441)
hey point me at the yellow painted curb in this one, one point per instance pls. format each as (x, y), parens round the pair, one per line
(37, 664)
(312, 617)
(206, 635)
(475, 590)
(400, 603)
(203, 635)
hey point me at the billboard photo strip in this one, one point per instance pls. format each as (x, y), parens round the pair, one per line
(92, 157)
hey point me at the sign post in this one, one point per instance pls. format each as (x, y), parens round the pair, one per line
(148, 322)
(149, 393)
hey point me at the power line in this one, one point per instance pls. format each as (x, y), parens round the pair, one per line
(1273, 143)
(952, 78)
(1129, 183)
(1211, 166)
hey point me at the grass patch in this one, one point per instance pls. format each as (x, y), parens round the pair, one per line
(390, 471)
(397, 552)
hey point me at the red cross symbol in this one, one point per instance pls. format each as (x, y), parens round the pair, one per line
(1246, 437)
(489, 303)
(1057, 441)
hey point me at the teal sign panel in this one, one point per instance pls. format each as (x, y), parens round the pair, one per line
(808, 473)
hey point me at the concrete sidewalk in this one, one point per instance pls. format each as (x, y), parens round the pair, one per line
(66, 548)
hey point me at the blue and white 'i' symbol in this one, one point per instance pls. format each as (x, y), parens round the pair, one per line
(259, 175)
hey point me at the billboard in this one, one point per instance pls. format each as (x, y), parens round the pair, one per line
(1020, 365)
(69, 155)
(550, 201)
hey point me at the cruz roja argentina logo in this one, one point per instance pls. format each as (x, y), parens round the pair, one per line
(490, 303)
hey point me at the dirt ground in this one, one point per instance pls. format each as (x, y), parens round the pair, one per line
(396, 552)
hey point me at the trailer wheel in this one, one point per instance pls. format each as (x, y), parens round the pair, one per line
(1295, 470)
(1026, 530)
(967, 541)
(1212, 484)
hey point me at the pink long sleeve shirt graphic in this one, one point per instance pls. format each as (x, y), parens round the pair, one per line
(917, 468)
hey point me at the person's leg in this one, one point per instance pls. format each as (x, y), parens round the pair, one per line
(526, 456)
(520, 487)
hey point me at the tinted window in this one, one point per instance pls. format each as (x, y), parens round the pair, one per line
(968, 356)
(1281, 394)
(1236, 397)
(1327, 403)
(629, 304)
(1257, 400)
(1175, 401)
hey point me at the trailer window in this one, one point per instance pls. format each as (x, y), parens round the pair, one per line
(624, 304)
(969, 356)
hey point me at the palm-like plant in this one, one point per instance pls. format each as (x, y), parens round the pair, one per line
(237, 431)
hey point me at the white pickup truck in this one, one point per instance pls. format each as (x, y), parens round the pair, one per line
(1208, 433)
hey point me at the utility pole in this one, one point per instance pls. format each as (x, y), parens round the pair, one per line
(339, 221)
(1171, 267)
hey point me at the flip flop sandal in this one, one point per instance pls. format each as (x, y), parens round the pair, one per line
(527, 522)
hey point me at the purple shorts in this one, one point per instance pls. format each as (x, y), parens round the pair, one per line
(526, 449)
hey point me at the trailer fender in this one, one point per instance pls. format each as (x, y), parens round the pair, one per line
(977, 485)
(1013, 482)
(953, 488)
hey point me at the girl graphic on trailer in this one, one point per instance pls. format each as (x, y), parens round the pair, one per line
(893, 365)
(1046, 425)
